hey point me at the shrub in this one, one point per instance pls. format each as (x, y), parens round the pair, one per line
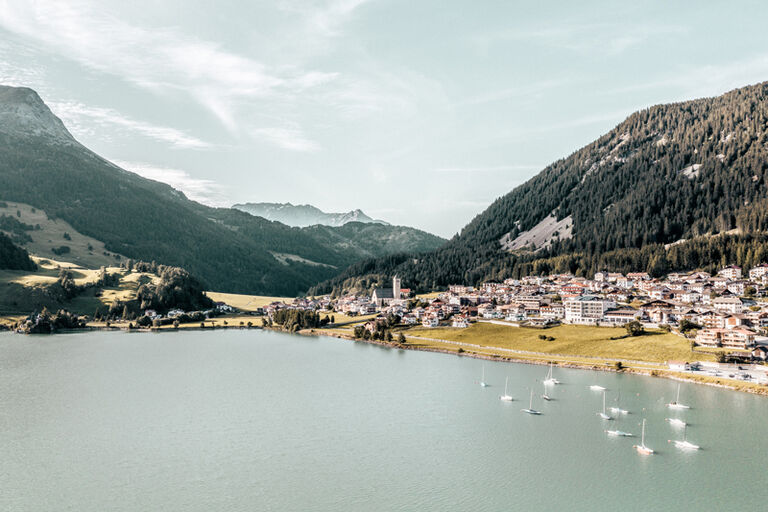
(634, 328)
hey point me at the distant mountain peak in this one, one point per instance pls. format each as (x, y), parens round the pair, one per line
(303, 215)
(23, 112)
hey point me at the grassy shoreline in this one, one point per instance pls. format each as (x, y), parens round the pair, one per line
(588, 348)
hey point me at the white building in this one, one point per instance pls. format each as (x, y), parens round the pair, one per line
(730, 272)
(460, 322)
(758, 272)
(621, 316)
(733, 305)
(430, 321)
(586, 309)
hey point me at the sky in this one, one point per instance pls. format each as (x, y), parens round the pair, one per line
(420, 113)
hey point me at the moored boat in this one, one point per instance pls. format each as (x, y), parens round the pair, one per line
(530, 409)
(642, 448)
(506, 397)
(676, 404)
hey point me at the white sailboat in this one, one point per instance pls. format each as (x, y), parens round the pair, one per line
(595, 387)
(545, 395)
(603, 415)
(506, 397)
(641, 448)
(677, 422)
(483, 384)
(676, 404)
(617, 431)
(685, 444)
(550, 380)
(616, 409)
(530, 409)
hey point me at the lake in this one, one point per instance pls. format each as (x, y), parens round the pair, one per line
(243, 420)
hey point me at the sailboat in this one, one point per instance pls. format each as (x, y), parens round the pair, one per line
(685, 444)
(641, 448)
(483, 384)
(530, 409)
(506, 397)
(602, 414)
(616, 409)
(545, 395)
(677, 422)
(676, 404)
(550, 380)
(617, 431)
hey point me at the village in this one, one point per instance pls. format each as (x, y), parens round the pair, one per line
(723, 310)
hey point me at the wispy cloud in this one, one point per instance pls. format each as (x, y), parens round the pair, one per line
(12, 72)
(491, 168)
(286, 137)
(323, 17)
(606, 39)
(521, 91)
(81, 118)
(163, 60)
(709, 80)
(204, 191)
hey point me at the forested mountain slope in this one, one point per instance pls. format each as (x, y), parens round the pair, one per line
(42, 165)
(666, 173)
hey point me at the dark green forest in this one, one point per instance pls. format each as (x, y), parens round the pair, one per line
(13, 257)
(629, 193)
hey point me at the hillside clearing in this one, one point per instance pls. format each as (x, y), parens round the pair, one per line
(52, 234)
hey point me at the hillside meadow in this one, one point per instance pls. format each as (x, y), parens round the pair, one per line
(570, 340)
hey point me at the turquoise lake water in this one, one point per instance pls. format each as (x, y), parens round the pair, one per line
(251, 420)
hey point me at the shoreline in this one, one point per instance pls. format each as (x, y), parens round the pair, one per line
(607, 366)
(752, 388)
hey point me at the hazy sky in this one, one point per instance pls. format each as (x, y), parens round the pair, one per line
(419, 112)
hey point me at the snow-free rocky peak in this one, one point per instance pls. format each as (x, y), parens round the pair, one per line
(23, 113)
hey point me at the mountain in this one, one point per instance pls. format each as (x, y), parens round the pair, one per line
(43, 166)
(673, 186)
(23, 113)
(367, 240)
(303, 215)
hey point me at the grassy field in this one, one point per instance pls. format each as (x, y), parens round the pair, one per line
(570, 340)
(84, 250)
(253, 302)
(246, 302)
(25, 292)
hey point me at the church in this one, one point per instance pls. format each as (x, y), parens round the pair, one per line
(385, 296)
